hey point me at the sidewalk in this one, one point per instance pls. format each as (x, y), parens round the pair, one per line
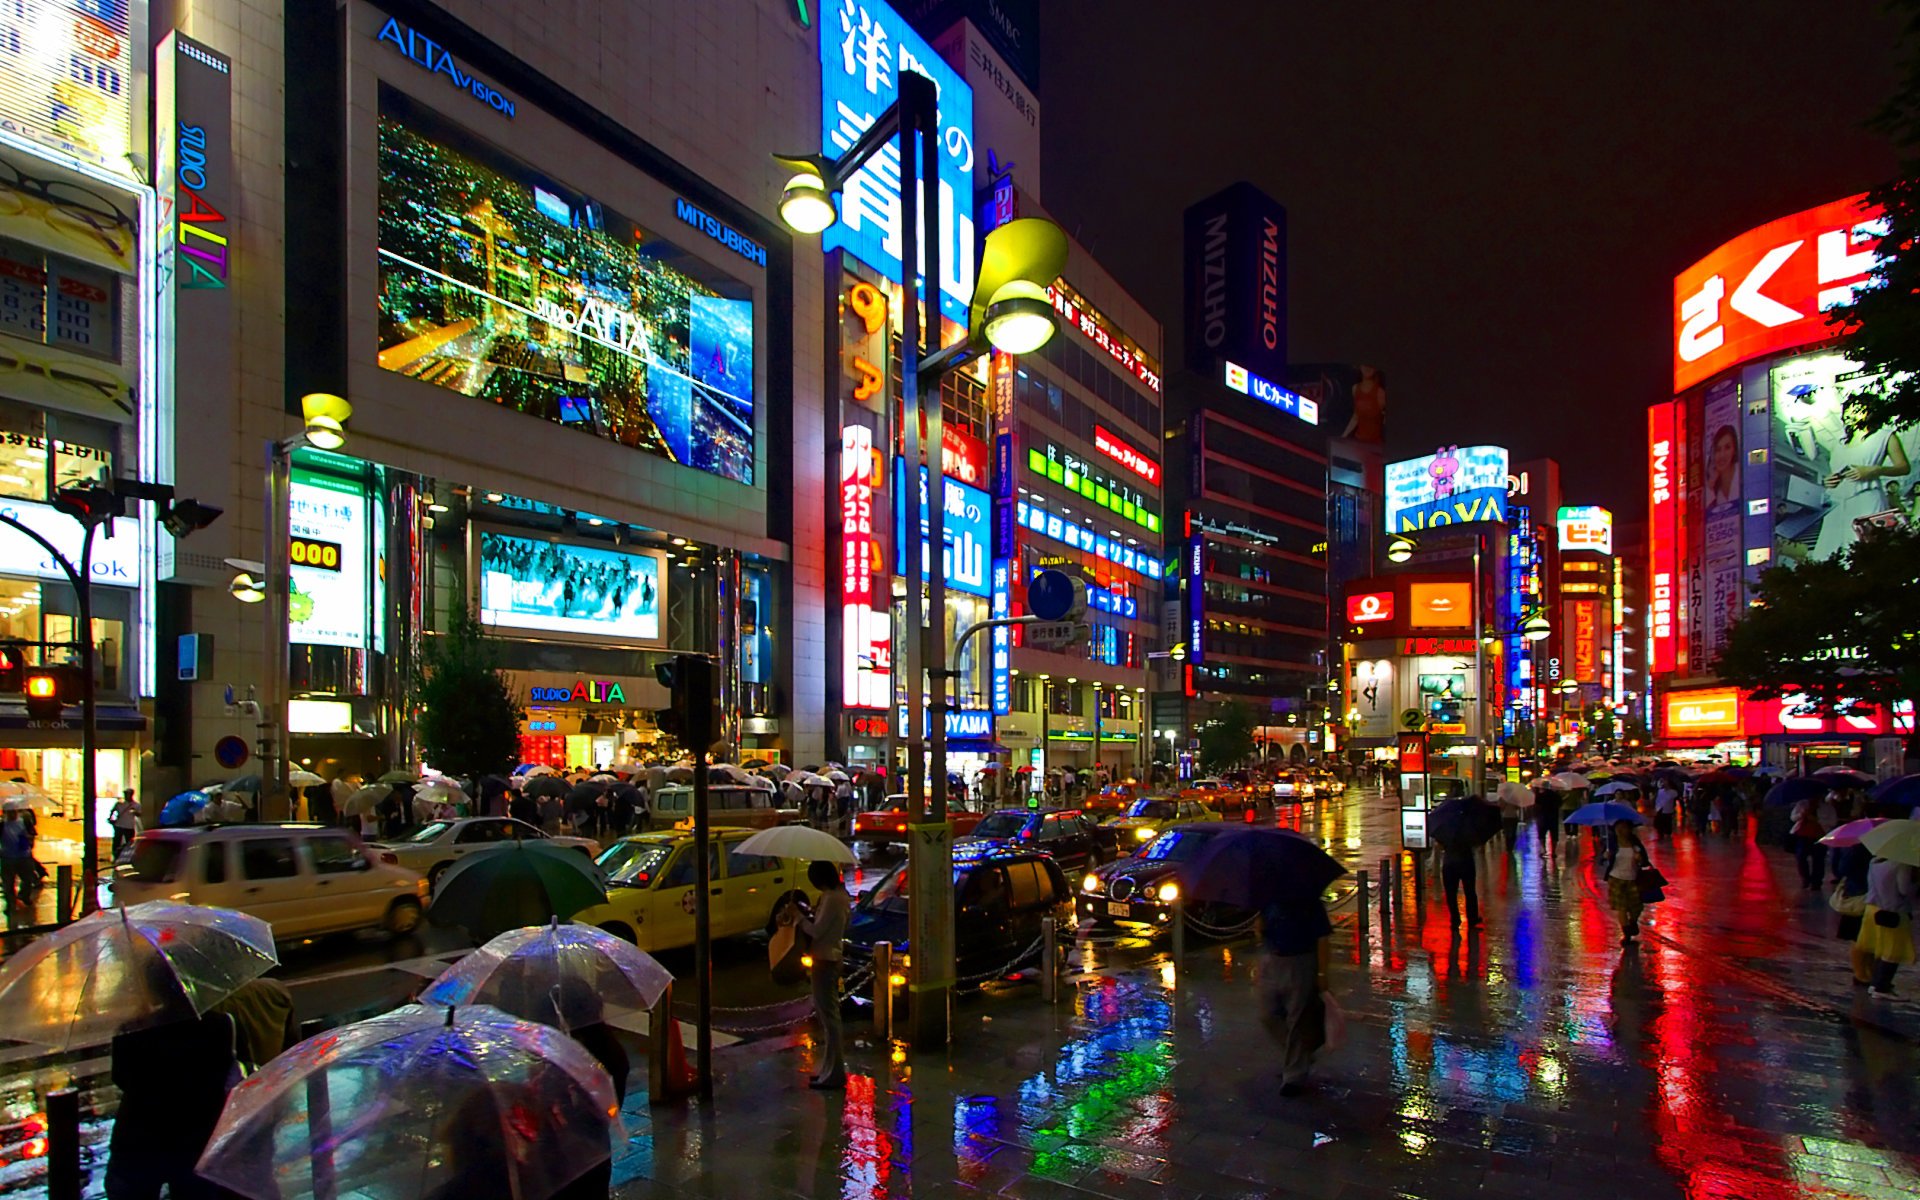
(1724, 1058)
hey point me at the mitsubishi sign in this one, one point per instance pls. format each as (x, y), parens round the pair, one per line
(1770, 288)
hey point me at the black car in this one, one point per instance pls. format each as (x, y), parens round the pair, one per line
(1070, 837)
(999, 898)
(1142, 887)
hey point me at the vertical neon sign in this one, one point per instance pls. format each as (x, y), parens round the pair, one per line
(1662, 535)
(863, 679)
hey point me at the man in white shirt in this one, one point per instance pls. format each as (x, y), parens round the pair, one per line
(1666, 802)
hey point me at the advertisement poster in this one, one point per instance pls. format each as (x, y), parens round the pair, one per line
(968, 531)
(1455, 485)
(67, 79)
(553, 588)
(327, 523)
(1722, 511)
(1830, 479)
(499, 283)
(1373, 701)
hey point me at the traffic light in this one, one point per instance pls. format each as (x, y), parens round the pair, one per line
(13, 667)
(693, 718)
(49, 690)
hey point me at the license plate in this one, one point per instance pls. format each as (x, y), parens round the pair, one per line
(1118, 910)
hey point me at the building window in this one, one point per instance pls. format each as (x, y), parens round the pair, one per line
(42, 452)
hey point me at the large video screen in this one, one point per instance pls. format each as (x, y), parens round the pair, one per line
(1831, 479)
(1455, 485)
(501, 283)
(553, 587)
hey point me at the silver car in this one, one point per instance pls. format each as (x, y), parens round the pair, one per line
(438, 846)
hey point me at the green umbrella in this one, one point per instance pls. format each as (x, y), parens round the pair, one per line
(519, 884)
(1895, 840)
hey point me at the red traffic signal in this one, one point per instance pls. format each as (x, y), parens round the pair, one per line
(49, 690)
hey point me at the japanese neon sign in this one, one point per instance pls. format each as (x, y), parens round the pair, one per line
(1119, 451)
(1091, 324)
(1064, 468)
(1662, 563)
(1030, 515)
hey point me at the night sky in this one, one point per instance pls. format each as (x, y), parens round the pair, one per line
(1489, 202)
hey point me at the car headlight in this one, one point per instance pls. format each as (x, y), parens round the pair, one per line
(1143, 834)
(1169, 892)
(1091, 883)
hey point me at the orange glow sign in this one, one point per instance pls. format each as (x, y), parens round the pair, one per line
(1370, 606)
(1709, 712)
(1770, 288)
(1440, 605)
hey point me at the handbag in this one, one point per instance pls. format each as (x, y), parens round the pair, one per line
(1886, 918)
(1652, 884)
(1845, 905)
(785, 949)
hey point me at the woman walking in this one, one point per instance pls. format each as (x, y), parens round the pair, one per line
(1886, 928)
(1623, 879)
(1849, 900)
(827, 926)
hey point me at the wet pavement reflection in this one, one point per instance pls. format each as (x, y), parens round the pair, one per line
(1726, 1057)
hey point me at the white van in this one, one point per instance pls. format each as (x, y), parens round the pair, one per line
(304, 880)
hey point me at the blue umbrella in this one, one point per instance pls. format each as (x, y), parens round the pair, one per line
(1606, 812)
(1903, 791)
(1253, 867)
(1796, 789)
(1617, 786)
(183, 808)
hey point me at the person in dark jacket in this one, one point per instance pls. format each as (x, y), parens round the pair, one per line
(1293, 976)
(1546, 816)
(1458, 872)
(173, 1082)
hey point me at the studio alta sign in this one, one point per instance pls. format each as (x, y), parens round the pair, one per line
(583, 691)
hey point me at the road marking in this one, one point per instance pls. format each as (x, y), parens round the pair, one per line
(427, 967)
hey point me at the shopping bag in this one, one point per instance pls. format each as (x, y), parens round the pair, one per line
(1334, 1022)
(785, 950)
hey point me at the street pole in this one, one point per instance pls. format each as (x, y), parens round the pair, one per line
(89, 730)
(273, 745)
(702, 933)
(1479, 681)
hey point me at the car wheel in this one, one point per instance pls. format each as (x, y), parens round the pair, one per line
(619, 929)
(433, 876)
(403, 916)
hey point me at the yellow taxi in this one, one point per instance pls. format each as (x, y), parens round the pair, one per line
(650, 888)
(1147, 817)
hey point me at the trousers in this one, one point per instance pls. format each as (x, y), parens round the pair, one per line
(1458, 874)
(1291, 1010)
(826, 1010)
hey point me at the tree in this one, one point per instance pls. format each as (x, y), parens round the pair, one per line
(1227, 740)
(469, 722)
(1839, 631)
(1881, 328)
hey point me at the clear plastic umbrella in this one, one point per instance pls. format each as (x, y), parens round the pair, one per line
(300, 778)
(556, 974)
(797, 841)
(418, 1102)
(366, 799)
(16, 794)
(121, 969)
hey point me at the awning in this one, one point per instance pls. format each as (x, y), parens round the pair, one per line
(108, 718)
(975, 746)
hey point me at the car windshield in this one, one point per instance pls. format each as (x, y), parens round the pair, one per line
(1175, 845)
(156, 859)
(1155, 810)
(890, 892)
(1002, 825)
(430, 832)
(634, 864)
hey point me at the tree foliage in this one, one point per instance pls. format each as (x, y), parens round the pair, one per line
(1881, 328)
(1837, 631)
(1227, 740)
(469, 722)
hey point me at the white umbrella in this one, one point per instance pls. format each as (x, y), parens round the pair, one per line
(1567, 781)
(25, 795)
(730, 773)
(1516, 794)
(603, 777)
(366, 799)
(798, 841)
(837, 775)
(1608, 789)
(299, 778)
(542, 769)
(556, 974)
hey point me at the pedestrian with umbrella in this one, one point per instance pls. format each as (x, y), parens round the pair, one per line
(1546, 816)
(442, 1103)
(1851, 865)
(1666, 803)
(1623, 879)
(1460, 826)
(826, 924)
(522, 883)
(1886, 928)
(1280, 875)
(1515, 800)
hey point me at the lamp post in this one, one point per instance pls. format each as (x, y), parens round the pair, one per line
(1010, 312)
(93, 506)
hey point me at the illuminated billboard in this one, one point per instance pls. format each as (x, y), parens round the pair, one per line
(332, 570)
(1662, 533)
(968, 531)
(1440, 606)
(585, 591)
(67, 78)
(1367, 607)
(500, 283)
(1455, 485)
(1830, 479)
(1586, 527)
(1769, 289)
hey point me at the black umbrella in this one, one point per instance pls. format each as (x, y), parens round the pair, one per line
(585, 797)
(1467, 819)
(523, 883)
(1253, 867)
(1796, 789)
(546, 785)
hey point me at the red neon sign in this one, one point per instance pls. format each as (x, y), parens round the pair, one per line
(1586, 640)
(1417, 647)
(1770, 288)
(1370, 606)
(1094, 326)
(1662, 539)
(1117, 450)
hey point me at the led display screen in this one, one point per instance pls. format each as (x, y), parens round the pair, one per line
(1831, 479)
(1456, 485)
(67, 77)
(553, 587)
(329, 560)
(501, 283)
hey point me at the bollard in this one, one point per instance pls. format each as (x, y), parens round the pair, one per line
(657, 1018)
(1386, 893)
(1049, 961)
(883, 990)
(63, 1144)
(1360, 894)
(64, 894)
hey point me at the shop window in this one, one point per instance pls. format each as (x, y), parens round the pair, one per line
(268, 858)
(42, 452)
(53, 301)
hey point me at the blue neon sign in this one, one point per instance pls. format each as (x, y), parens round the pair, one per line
(1268, 392)
(1031, 516)
(864, 46)
(430, 55)
(968, 529)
